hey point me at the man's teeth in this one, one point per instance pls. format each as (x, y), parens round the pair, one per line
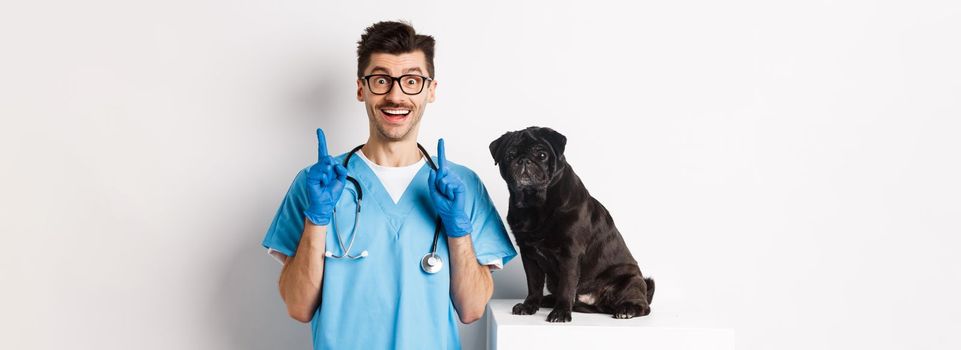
(396, 111)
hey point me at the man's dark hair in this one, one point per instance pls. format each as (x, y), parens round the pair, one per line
(394, 38)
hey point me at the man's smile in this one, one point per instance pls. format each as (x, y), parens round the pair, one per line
(394, 114)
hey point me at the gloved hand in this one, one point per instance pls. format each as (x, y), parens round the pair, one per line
(325, 184)
(447, 192)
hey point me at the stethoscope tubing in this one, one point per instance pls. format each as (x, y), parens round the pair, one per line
(431, 263)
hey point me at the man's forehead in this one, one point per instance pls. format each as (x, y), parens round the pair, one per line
(405, 63)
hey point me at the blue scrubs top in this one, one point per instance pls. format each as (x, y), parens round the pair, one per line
(385, 301)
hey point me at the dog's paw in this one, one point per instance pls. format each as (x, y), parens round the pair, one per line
(631, 310)
(559, 315)
(524, 309)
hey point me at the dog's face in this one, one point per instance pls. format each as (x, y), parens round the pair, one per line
(529, 160)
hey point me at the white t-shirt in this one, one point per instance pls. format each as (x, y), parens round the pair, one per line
(395, 180)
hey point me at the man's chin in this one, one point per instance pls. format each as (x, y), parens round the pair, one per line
(394, 132)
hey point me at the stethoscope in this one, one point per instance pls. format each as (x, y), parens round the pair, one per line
(430, 263)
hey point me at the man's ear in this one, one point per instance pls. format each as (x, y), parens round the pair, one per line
(556, 140)
(360, 90)
(498, 145)
(431, 91)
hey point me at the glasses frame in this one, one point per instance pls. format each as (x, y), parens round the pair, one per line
(397, 80)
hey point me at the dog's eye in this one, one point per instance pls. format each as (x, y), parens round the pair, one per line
(542, 155)
(510, 155)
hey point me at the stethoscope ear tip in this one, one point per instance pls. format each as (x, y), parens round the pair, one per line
(363, 254)
(328, 254)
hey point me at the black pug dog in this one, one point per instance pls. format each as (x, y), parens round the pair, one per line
(566, 237)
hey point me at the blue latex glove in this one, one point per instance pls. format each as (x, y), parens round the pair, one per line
(447, 192)
(325, 184)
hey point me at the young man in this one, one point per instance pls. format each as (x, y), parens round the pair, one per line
(357, 275)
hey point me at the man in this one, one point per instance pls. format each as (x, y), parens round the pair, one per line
(370, 291)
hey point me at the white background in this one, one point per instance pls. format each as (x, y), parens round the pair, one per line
(789, 166)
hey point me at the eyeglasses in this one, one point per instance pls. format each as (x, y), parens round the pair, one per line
(411, 84)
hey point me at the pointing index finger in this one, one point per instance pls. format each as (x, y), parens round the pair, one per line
(441, 157)
(321, 145)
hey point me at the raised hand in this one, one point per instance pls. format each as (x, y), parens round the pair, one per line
(325, 183)
(447, 192)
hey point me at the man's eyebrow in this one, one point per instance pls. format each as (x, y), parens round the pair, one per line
(379, 68)
(384, 70)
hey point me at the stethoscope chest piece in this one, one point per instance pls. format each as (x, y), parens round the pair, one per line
(431, 263)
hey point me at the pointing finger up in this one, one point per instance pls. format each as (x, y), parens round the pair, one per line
(441, 158)
(321, 145)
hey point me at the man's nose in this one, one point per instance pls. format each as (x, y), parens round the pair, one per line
(395, 94)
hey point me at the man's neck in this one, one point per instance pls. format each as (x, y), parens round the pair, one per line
(392, 153)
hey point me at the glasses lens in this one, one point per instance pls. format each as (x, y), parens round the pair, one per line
(411, 84)
(379, 84)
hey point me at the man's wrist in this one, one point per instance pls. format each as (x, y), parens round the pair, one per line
(459, 237)
(314, 233)
(456, 233)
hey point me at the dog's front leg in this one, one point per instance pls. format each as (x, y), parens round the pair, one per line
(535, 285)
(569, 272)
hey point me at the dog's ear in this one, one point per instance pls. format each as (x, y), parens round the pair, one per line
(556, 140)
(497, 146)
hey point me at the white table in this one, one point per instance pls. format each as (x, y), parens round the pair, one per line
(663, 329)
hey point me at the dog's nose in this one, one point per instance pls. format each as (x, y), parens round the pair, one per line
(524, 164)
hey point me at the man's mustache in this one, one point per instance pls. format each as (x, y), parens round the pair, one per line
(395, 106)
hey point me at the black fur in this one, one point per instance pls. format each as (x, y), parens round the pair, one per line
(567, 238)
